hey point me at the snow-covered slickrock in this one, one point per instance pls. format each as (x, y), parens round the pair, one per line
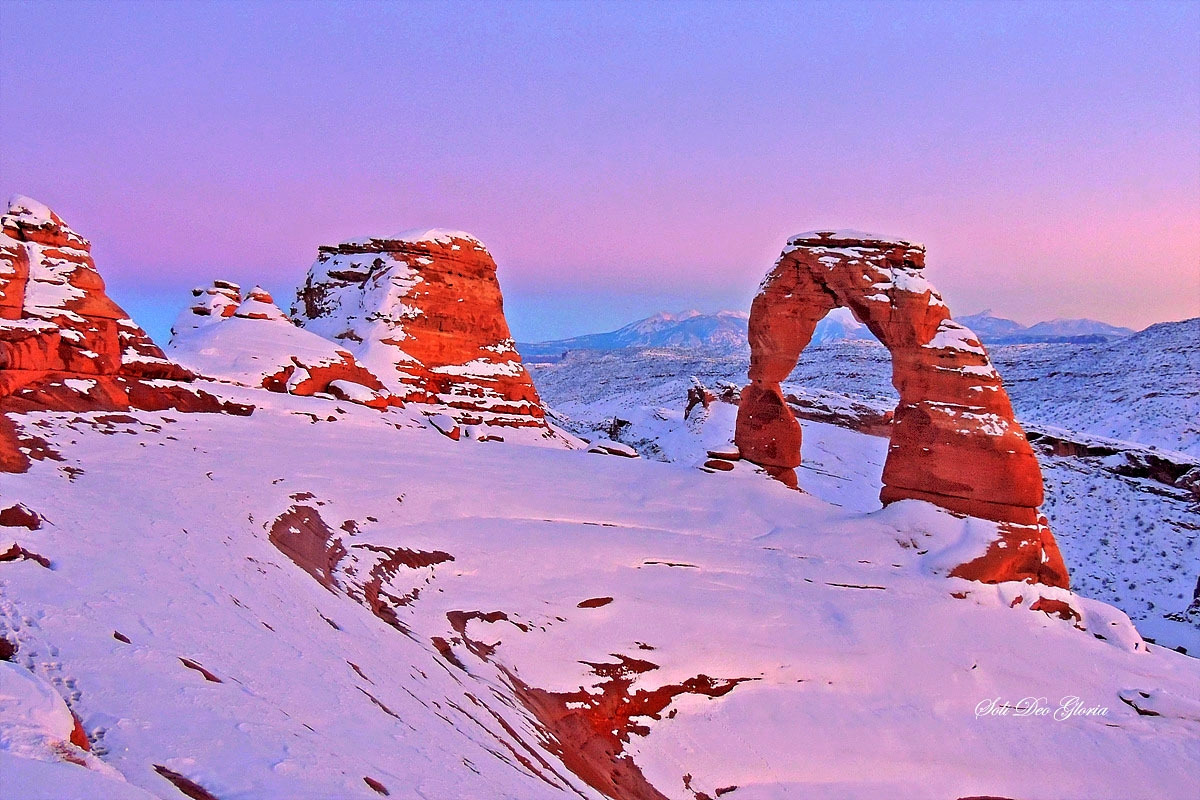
(64, 345)
(632, 629)
(250, 341)
(423, 311)
(954, 440)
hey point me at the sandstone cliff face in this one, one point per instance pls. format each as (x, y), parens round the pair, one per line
(423, 311)
(64, 345)
(250, 341)
(954, 441)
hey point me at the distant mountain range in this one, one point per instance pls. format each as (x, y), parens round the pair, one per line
(998, 330)
(724, 332)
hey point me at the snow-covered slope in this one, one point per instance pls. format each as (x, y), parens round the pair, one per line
(322, 600)
(248, 351)
(1144, 388)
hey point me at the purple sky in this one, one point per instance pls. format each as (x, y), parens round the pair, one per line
(620, 158)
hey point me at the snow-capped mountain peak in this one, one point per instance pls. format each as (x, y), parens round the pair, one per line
(1001, 330)
(720, 332)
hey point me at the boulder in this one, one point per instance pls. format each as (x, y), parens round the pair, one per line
(20, 516)
(608, 447)
(954, 441)
(698, 395)
(446, 425)
(423, 311)
(64, 344)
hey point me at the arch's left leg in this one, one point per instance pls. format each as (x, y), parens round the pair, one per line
(782, 321)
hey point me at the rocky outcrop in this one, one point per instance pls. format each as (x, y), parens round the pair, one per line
(251, 342)
(954, 441)
(423, 311)
(383, 579)
(591, 728)
(301, 535)
(64, 345)
(211, 304)
(260, 305)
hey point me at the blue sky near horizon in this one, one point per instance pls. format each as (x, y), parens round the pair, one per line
(620, 158)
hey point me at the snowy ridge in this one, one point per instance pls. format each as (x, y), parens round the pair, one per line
(834, 235)
(1144, 388)
(998, 330)
(439, 235)
(727, 336)
(37, 214)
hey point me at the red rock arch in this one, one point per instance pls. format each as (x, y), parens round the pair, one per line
(954, 440)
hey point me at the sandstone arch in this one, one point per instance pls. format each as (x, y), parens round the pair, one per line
(954, 440)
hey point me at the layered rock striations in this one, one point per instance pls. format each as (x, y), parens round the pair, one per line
(252, 342)
(64, 344)
(954, 441)
(423, 311)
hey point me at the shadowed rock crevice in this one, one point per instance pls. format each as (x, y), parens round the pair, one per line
(188, 787)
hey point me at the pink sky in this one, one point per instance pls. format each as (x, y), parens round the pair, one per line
(621, 158)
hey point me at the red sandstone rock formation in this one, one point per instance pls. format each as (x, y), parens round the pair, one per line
(64, 345)
(954, 440)
(371, 575)
(301, 535)
(588, 728)
(260, 305)
(698, 395)
(591, 729)
(252, 342)
(423, 310)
